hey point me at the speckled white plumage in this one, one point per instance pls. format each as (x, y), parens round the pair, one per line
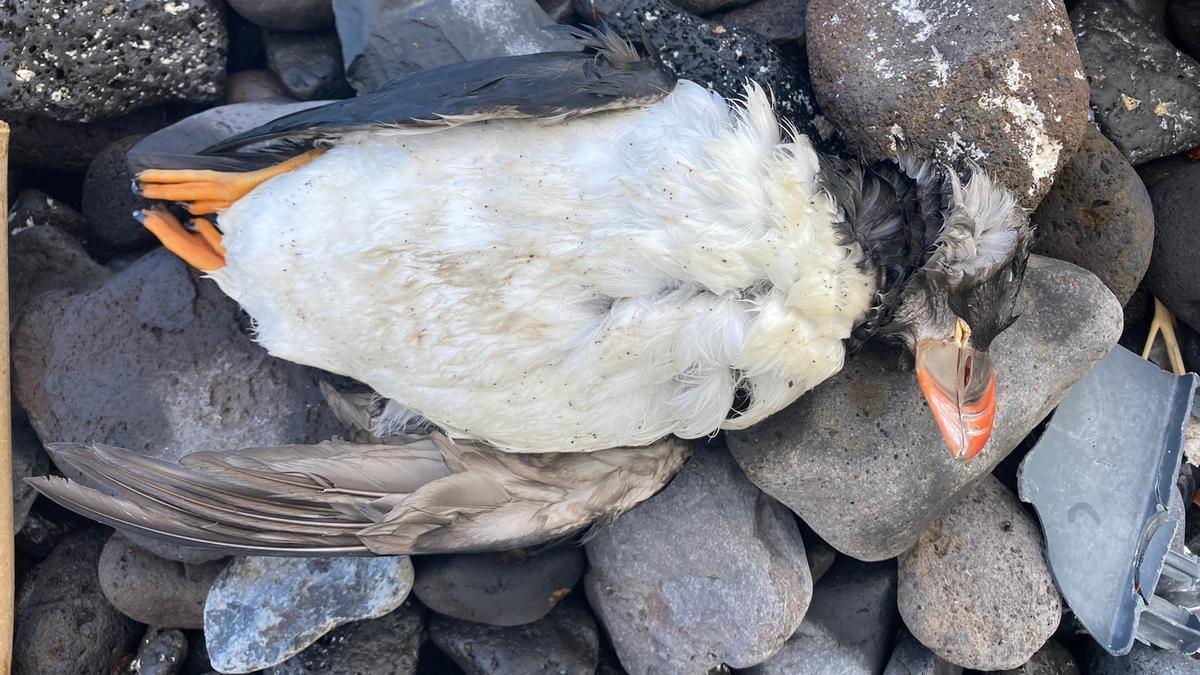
(598, 283)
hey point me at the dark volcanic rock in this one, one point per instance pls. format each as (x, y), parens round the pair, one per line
(254, 85)
(161, 652)
(153, 590)
(64, 624)
(81, 60)
(707, 6)
(1098, 216)
(708, 571)
(383, 40)
(109, 201)
(976, 588)
(1174, 275)
(32, 207)
(724, 58)
(155, 361)
(309, 65)
(780, 21)
(501, 589)
(860, 459)
(1184, 19)
(286, 14)
(999, 83)
(384, 646)
(1145, 93)
(43, 258)
(262, 611)
(566, 641)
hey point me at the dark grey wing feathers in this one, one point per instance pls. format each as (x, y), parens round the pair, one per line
(546, 85)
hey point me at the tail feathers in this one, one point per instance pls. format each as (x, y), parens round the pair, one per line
(423, 494)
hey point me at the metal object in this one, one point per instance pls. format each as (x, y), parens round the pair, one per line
(1100, 479)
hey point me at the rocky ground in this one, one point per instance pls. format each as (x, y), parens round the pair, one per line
(837, 537)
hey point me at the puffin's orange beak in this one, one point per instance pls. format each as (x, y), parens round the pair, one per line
(959, 382)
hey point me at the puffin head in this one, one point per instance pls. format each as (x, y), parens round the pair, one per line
(953, 307)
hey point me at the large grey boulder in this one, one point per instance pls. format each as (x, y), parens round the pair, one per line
(860, 459)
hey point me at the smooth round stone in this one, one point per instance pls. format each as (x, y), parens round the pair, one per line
(253, 85)
(286, 14)
(64, 626)
(859, 457)
(1141, 660)
(708, 571)
(500, 589)
(1098, 216)
(109, 201)
(309, 65)
(1001, 85)
(153, 590)
(976, 588)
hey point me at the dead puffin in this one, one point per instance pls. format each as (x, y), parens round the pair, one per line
(558, 264)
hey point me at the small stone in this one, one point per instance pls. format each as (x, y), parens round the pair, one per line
(1141, 660)
(254, 85)
(309, 65)
(43, 529)
(976, 589)
(849, 625)
(566, 641)
(109, 201)
(384, 646)
(286, 14)
(1174, 276)
(1051, 659)
(33, 207)
(262, 611)
(1145, 94)
(1000, 85)
(64, 626)
(28, 459)
(708, 571)
(780, 21)
(73, 65)
(153, 590)
(162, 651)
(500, 589)
(1098, 216)
(383, 40)
(913, 658)
(1184, 19)
(859, 457)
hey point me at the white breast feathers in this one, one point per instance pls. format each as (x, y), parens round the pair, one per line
(598, 283)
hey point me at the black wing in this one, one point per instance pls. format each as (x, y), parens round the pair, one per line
(611, 75)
